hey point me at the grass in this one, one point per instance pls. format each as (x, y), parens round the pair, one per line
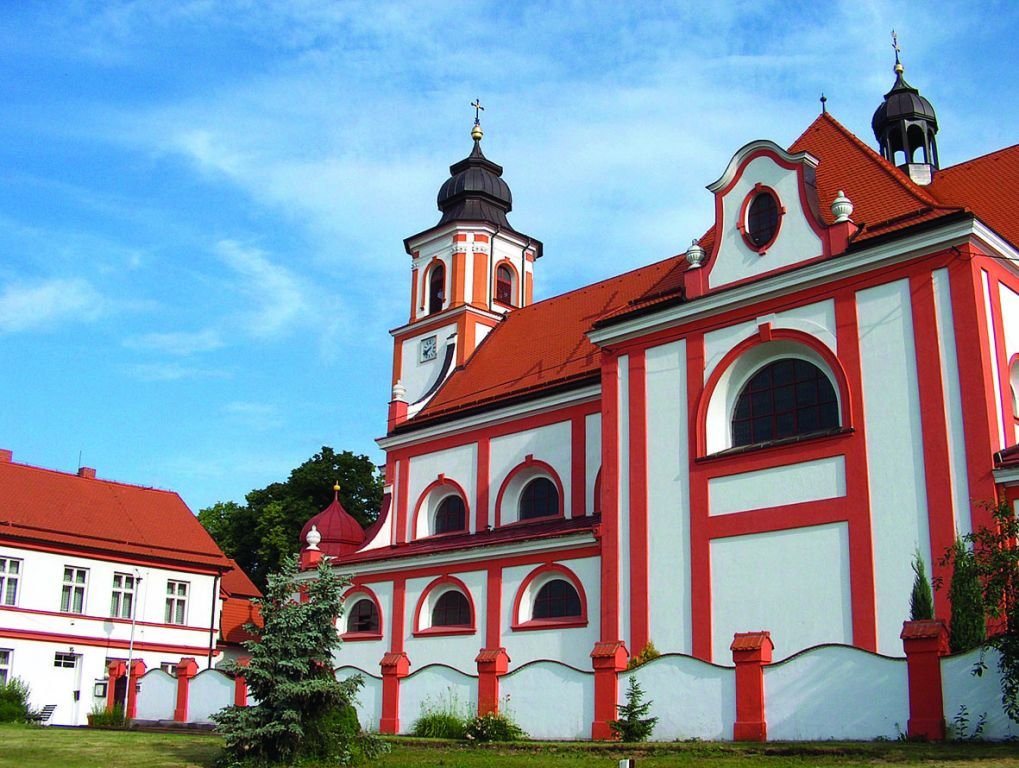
(36, 747)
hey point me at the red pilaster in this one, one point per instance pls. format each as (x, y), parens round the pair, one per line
(186, 669)
(608, 660)
(492, 662)
(394, 667)
(750, 652)
(114, 671)
(241, 685)
(925, 642)
(137, 670)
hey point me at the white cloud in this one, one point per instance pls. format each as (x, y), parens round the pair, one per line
(157, 372)
(275, 295)
(177, 342)
(42, 305)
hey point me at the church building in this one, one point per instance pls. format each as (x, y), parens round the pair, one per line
(757, 433)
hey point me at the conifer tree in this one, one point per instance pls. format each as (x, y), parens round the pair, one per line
(969, 623)
(921, 601)
(633, 723)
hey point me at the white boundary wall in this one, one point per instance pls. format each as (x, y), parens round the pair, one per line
(550, 700)
(692, 699)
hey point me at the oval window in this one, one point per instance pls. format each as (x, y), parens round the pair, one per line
(762, 219)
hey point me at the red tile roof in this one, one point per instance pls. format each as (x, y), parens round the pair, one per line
(544, 346)
(45, 508)
(235, 583)
(235, 615)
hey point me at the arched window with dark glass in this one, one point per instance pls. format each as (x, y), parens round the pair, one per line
(762, 219)
(540, 498)
(363, 617)
(436, 288)
(786, 398)
(451, 515)
(504, 284)
(451, 610)
(557, 600)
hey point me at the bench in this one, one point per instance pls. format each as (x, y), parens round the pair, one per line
(43, 715)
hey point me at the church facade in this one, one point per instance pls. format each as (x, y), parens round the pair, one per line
(755, 434)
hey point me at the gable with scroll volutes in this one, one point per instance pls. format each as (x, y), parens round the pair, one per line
(746, 246)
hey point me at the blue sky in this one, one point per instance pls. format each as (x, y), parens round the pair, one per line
(203, 203)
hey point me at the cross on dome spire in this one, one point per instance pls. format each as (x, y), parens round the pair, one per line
(476, 132)
(895, 47)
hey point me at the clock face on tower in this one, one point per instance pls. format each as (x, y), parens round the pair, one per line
(428, 348)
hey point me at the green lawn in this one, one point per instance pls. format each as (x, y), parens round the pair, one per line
(34, 747)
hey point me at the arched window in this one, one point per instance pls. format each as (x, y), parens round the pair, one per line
(451, 516)
(556, 600)
(785, 398)
(504, 284)
(436, 288)
(451, 610)
(363, 616)
(540, 498)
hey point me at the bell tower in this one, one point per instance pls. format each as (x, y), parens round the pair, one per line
(466, 273)
(905, 126)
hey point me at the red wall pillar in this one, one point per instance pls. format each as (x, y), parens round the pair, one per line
(137, 670)
(750, 652)
(394, 667)
(114, 671)
(240, 684)
(186, 669)
(608, 660)
(925, 642)
(492, 662)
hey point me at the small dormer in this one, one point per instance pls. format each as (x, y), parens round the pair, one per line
(766, 215)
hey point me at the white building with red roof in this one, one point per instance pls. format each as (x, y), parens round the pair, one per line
(97, 576)
(754, 434)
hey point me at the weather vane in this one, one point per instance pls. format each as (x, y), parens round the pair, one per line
(478, 109)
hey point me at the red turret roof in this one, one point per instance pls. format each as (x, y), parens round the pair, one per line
(341, 533)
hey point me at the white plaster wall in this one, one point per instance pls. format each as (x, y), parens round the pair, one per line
(817, 320)
(417, 376)
(157, 696)
(550, 700)
(957, 471)
(992, 354)
(592, 431)
(980, 695)
(623, 520)
(368, 701)
(457, 464)
(836, 692)
(446, 649)
(898, 495)
(777, 486)
(1010, 319)
(691, 698)
(436, 687)
(793, 583)
(550, 444)
(796, 240)
(571, 646)
(210, 692)
(668, 493)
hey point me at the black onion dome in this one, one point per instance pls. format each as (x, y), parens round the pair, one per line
(475, 191)
(902, 103)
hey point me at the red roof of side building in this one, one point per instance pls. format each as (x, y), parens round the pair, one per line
(978, 185)
(45, 509)
(235, 583)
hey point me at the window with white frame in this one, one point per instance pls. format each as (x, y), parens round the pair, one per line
(176, 602)
(5, 664)
(10, 575)
(169, 668)
(72, 596)
(65, 660)
(122, 600)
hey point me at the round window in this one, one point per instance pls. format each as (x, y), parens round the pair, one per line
(762, 219)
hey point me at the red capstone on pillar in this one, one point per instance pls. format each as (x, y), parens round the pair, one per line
(750, 652)
(492, 662)
(608, 660)
(187, 668)
(137, 670)
(394, 667)
(114, 671)
(925, 642)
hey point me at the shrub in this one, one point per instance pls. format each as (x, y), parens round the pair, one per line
(493, 727)
(100, 718)
(647, 653)
(633, 723)
(14, 701)
(969, 623)
(921, 601)
(442, 719)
